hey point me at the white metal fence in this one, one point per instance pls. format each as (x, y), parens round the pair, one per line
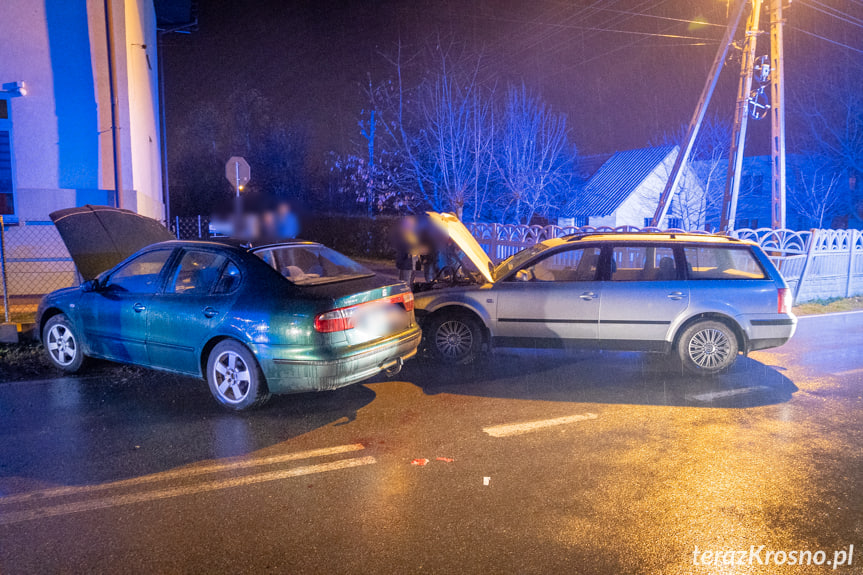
(817, 264)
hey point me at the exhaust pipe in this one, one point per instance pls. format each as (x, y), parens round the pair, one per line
(395, 368)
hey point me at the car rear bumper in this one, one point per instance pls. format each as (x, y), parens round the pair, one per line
(301, 375)
(764, 332)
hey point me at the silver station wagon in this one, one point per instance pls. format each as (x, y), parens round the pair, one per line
(706, 298)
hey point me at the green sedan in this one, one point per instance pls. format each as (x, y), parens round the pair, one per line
(274, 319)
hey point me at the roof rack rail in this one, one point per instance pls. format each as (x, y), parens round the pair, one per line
(671, 233)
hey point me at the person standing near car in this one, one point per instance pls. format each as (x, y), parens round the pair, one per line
(407, 247)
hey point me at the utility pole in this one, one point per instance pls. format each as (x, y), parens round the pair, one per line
(697, 118)
(741, 112)
(777, 116)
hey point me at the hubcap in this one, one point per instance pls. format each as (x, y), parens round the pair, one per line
(62, 345)
(454, 339)
(232, 376)
(709, 348)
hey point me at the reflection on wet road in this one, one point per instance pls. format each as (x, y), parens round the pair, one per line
(529, 461)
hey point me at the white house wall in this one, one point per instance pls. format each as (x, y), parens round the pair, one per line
(143, 107)
(643, 201)
(61, 129)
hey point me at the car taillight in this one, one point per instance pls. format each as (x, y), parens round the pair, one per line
(784, 301)
(342, 319)
(407, 300)
(331, 321)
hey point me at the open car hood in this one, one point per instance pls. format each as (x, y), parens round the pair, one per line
(100, 237)
(473, 256)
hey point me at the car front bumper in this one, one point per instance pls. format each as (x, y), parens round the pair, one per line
(359, 363)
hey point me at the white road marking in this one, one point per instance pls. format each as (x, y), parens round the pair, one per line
(831, 314)
(848, 372)
(181, 473)
(141, 497)
(518, 428)
(713, 395)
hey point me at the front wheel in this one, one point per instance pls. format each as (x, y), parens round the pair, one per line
(63, 344)
(454, 338)
(707, 348)
(235, 378)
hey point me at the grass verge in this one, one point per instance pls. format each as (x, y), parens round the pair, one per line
(831, 305)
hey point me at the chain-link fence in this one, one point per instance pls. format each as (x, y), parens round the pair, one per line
(191, 227)
(34, 262)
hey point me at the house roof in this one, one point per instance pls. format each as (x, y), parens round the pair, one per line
(615, 181)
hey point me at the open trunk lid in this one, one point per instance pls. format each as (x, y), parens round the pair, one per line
(100, 237)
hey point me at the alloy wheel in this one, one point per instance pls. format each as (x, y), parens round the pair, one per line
(454, 339)
(709, 348)
(232, 376)
(62, 345)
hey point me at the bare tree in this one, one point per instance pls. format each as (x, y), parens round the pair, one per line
(830, 112)
(815, 195)
(534, 157)
(454, 110)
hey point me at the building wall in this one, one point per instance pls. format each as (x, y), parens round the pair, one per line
(688, 204)
(642, 202)
(143, 107)
(62, 141)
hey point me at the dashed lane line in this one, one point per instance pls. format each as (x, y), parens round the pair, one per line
(230, 465)
(155, 495)
(519, 428)
(714, 395)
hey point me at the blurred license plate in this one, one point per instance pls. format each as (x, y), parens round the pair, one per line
(382, 319)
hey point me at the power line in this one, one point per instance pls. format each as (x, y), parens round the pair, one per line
(828, 40)
(597, 29)
(616, 20)
(646, 15)
(847, 18)
(602, 55)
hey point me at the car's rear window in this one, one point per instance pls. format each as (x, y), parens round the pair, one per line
(312, 264)
(721, 263)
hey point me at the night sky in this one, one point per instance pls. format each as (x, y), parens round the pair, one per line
(619, 89)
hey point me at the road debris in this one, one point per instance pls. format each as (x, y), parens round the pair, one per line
(420, 462)
(445, 459)
(485, 480)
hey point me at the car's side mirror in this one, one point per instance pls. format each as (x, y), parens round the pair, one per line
(523, 276)
(90, 286)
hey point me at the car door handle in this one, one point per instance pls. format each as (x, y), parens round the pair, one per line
(139, 307)
(587, 296)
(675, 295)
(210, 312)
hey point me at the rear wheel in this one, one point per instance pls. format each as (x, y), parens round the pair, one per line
(454, 338)
(707, 348)
(63, 344)
(235, 378)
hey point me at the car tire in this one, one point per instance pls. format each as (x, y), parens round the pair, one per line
(707, 348)
(63, 344)
(454, 338)
(235, 378)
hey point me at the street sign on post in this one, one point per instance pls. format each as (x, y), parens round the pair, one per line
(238, 172)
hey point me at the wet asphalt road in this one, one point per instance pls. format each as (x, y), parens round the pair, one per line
(111, 477)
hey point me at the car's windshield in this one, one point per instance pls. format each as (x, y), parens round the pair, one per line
(312, 264)
(517, 260)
